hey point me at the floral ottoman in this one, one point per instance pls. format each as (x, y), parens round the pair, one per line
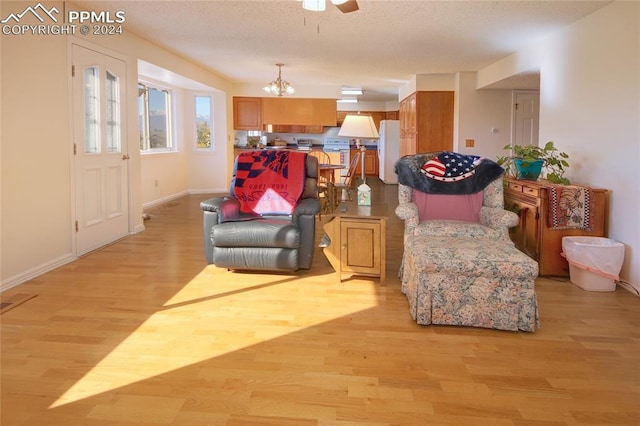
(470, 282)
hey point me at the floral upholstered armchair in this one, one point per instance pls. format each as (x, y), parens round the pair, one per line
(480, 215)
(459, 266)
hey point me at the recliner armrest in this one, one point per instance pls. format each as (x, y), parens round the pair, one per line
(308, 206)
(226, 209)
(224, 206)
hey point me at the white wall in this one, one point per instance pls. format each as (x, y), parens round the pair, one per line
(590, 108)
(427, 82)
(477, 112)
(36, 155)
(36, 168)
(369, 106)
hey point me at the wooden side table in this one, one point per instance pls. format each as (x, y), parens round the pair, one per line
(357, 240)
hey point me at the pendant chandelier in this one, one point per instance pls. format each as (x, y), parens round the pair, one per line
(279, 86)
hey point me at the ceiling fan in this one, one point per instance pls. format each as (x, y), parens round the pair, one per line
(345, 6)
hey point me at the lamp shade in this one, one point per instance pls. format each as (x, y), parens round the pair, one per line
(358, 127)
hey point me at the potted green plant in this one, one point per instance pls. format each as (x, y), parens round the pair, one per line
(528, 161)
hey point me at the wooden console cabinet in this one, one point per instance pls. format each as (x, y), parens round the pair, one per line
(357, 241)
(530, 200)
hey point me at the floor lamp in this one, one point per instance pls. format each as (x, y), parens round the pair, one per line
(360, 127)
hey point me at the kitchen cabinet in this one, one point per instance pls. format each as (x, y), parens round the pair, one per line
(533, 236)
(426, 122)
(318, 129)
(371, 163)
(391, 115)
(294, 128)
(299, 111)
(247, 113)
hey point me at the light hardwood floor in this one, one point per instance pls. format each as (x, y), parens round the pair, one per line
(144, 332)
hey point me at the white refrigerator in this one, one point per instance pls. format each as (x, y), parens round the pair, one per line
(388, 150)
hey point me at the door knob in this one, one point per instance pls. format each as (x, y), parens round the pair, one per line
(125, 157)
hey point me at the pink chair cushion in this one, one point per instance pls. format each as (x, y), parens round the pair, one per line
(448, 207)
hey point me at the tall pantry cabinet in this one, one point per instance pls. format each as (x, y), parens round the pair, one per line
(426, 122)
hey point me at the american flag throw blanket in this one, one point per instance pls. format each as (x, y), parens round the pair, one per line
(269, 181)
(447, 173)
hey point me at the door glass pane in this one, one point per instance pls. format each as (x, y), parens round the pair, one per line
(91, 111)
(113, 113)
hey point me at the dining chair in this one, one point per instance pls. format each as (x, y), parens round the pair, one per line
(325, 180)
(346, 187)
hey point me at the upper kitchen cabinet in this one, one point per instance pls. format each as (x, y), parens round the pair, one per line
(426, 122)
(247, 113)
(299, 111)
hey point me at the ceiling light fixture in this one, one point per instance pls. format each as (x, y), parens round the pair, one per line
(279, 86)
(345, 6)
(352, 92)
(314, 5)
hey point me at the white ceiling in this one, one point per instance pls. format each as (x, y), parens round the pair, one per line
(379, 47)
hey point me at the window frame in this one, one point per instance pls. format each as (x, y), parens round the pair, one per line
(170, 105)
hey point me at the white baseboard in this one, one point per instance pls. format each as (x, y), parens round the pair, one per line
(163, 200)
(35, 272)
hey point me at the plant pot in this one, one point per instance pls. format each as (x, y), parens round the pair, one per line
(528, 170)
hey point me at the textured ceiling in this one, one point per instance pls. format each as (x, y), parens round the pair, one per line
(379, 47)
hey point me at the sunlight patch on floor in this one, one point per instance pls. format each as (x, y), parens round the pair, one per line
(210, 317)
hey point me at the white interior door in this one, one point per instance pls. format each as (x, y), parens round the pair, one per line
(100, 149)
(525, 118)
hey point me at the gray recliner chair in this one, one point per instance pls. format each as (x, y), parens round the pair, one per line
(248, 241)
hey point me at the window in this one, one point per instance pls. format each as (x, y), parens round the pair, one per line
(203, 121)
(154, 118)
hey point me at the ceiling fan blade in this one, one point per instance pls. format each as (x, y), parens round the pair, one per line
(347, 6)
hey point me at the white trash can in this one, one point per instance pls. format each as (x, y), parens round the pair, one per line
(594, 262)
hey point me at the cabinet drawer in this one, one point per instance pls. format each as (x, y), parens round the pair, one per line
(516, 187)
(529, 190)
(523, 188)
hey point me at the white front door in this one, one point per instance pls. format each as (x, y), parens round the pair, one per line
(526, 117)
(100, 149)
